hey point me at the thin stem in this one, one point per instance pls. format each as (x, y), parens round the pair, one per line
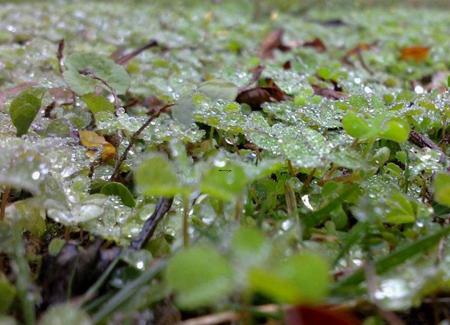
(238, 208)
(60, 56)
(291, 206)
(186, 221)
(134, 138)
(4, 203)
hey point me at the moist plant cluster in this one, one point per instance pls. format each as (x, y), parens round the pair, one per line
(224, 161)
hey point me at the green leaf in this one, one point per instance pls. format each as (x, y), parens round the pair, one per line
(441, 187)
(97, 103)
(24, 108)
(396, 130)
(7, 294)
(317, 217)
(301, 279)
(400, 210)
(224, 182)
(200, 276)
(219, 89)
(65, 314)
(55, 246)
(156, 177)
(356, 126)
(121, 191)
(249, 245)
(387, 263)
(102, 67)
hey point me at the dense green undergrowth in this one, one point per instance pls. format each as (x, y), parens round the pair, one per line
(248, 159)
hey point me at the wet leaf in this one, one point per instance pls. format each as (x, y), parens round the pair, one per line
(225, 182)
(441, 187)
(219, 89)
(95, 142)
(24, 108)
(105, 68)
(302, 278)
(121, 191)
(156, 177)
(200, 276)
(97, 103)
(65, 314)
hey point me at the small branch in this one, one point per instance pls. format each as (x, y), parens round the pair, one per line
(92, 75)
(60, 56)
(134, 138)
(186, 221)
(422, 141)
(127, 57)
(163, 206)
(363, 63)
(4, 203)
(231, 316)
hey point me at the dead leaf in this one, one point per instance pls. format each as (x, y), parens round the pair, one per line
(328, 92)
(320, 315)
(415, 53)
(95, 142)
(361, 47)
(256, 96)
(272, 42)
(317, 44)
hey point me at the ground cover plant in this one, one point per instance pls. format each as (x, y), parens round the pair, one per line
(224, 162)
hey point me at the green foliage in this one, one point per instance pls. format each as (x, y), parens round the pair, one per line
(344, 159)
(301, 279)
(200, 276)
(24, 108)
(99, 66)
(442, 188)
(64, 314)
(121, 191)
(156, 176)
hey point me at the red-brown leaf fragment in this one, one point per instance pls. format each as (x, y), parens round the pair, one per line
(317, 44)
(415, 53)
(272, 42)
(328, 92)
(320, 315)
(256, 96)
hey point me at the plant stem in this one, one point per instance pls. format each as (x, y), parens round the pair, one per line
(4, 203)
(185, 221)
(291, 206)
(134, 138)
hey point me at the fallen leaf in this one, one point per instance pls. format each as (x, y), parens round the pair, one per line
(272, 42)
(415, 53)
(361, 47)
(328, 92)
(320, 315)
(5, 94)
(94, 142)
(317, 44)
(256, 96)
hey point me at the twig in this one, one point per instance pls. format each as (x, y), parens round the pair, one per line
(186, 220)
(163, 206)
(423, 141)
(363, 63)
(127, 57)
(60, 55)
(134, 138)
(88, 73)
(4, 203)
(230, 316)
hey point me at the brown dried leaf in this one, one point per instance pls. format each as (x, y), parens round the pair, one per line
(317, 44)
(320, 315)
(272, 42)
(415, 53)
(328, 92)
(94, 142)
(256, 96)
